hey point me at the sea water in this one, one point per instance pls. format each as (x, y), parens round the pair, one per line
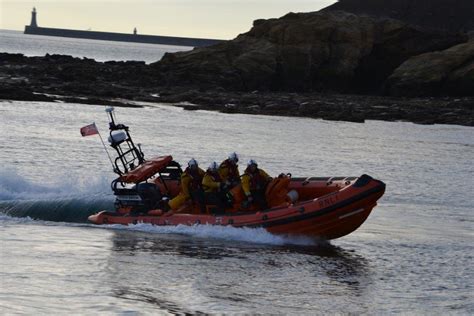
(15, 42)
(413, 255)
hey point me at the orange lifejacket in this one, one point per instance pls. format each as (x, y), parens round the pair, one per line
(231, 172)
(211, 181)
(257, 180)
(276, 192)
(196, 178)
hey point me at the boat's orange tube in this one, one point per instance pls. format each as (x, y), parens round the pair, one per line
(329, 216)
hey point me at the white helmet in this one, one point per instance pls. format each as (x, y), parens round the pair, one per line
(192, 163)
(213, 166)
(234, 157)
(252, 162)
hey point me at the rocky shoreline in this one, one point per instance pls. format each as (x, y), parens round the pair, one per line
(331, 107)
(38, 79)
(329, 65)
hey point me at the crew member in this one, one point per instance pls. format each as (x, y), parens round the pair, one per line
(254, 184)
(191, 187)
(229, 170)
(214, 188)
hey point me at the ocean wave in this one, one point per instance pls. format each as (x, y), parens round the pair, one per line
(66, 199)
(14, 186)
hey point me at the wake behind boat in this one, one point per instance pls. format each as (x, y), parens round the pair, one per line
(321, 207)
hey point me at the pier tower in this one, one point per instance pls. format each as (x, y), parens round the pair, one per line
(33, 18)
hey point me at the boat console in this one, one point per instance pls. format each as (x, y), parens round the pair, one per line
(142, 183)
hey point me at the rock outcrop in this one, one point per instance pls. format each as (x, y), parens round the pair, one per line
(75, 80)
(450, 15)
(447, 72)
(67, 75)
(317, 51)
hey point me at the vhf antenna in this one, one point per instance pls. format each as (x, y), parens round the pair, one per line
(110, 110)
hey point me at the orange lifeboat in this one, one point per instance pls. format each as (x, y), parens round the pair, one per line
(322, 207)
(326, 208)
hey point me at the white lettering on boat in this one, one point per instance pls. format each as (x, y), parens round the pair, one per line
(329, 200)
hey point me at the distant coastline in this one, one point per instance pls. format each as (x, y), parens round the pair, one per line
(34, 29)
(122, 37)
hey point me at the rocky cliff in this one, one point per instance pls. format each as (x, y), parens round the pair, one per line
(451, 15)
(450, 71)
(317, 51)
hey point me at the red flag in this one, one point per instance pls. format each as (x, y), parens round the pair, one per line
(89, 130)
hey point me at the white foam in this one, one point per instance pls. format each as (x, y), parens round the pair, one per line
(251, 235)
(248, 235)
(4, 218)
(13, 186)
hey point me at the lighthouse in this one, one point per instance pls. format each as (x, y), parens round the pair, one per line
(33, 18)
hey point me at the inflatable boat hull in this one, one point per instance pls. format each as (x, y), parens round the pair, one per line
(329, 216)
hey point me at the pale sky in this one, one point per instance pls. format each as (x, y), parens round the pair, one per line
(197, 18)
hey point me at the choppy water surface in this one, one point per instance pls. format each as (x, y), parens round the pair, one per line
(413, 255)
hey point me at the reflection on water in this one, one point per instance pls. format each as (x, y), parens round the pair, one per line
(235, 276)
(149, 296)
(412, 255)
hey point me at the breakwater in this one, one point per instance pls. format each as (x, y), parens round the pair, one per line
(122, 37)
